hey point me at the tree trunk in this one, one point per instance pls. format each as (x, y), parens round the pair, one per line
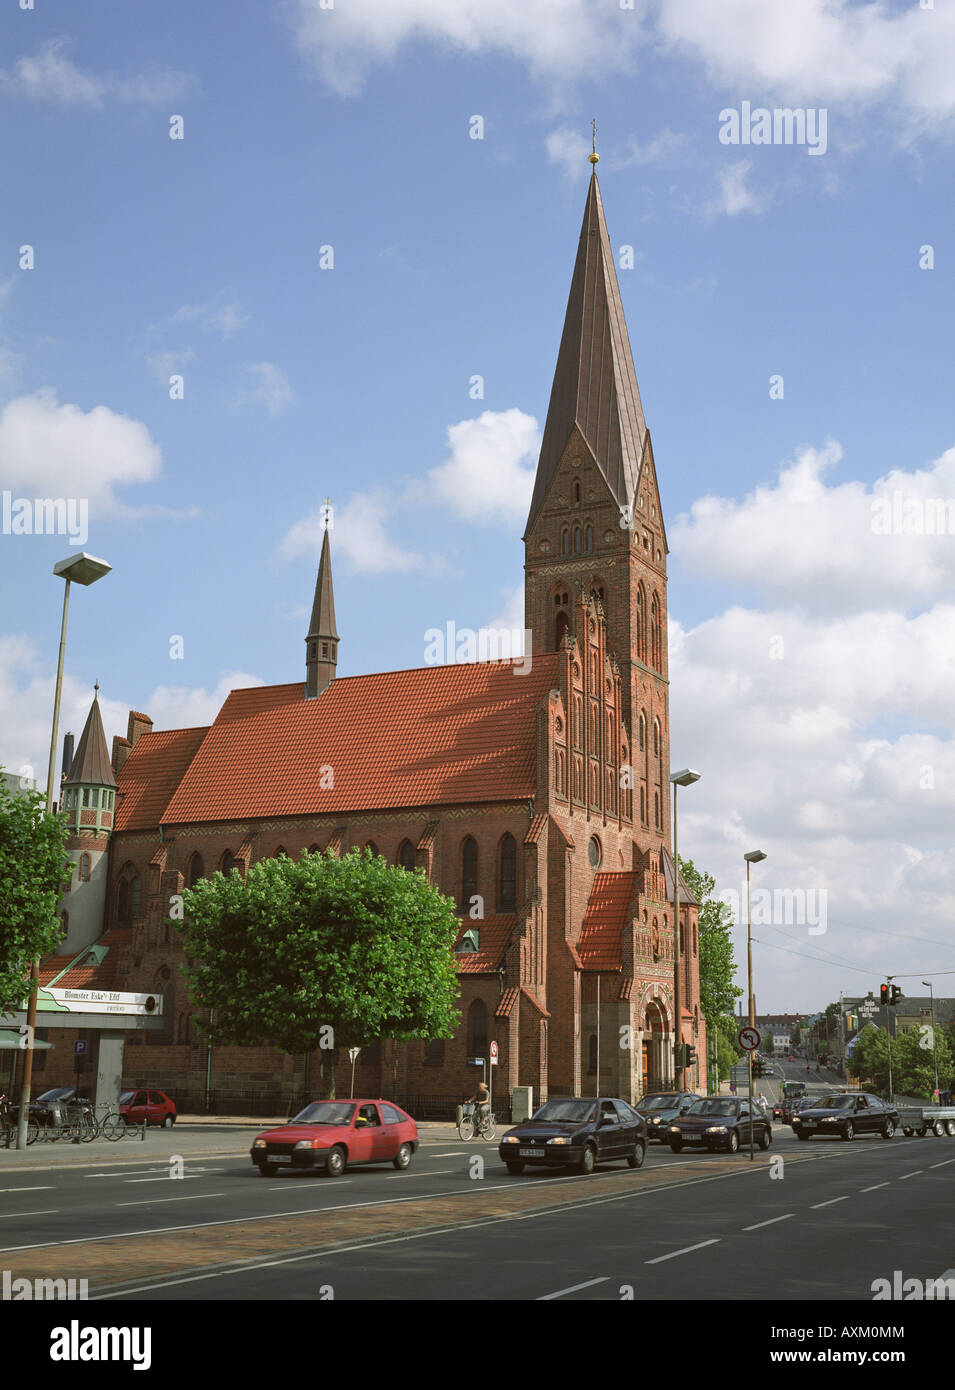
(328, 1076)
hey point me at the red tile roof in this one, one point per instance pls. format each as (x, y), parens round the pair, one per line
(494, 935)
(507, 1002)
(93, 976)
(429, 736)
(151, 774)
(607, 915)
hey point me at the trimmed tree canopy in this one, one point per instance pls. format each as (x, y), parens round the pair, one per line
(350, 945)
(33, 868)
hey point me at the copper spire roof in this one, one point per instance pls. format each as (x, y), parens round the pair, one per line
(91, 762)
(323, 606)
(595, 385)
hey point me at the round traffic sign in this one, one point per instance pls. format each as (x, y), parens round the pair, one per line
(748, 1039)
(493, 1051)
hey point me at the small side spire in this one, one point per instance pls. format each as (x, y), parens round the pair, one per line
(321, 644)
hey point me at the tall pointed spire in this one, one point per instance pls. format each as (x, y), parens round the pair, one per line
(91, 762)
(595, 385)
(322, 640)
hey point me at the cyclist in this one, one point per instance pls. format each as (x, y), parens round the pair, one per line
(481, 1101)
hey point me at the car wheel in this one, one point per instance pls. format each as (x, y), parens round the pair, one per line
(515, 1168)
(675, 1146)
(402, 1158)
(169, 1121)
(335, 1164)
(888, 1129)
(850, 1131)
(907, 1131)
(734, 1143)
(588, 1161)
(268, 1170)
(635, 1160)
(950, 1128)
(765, 1139)
(921, 1131)
(938, 1129)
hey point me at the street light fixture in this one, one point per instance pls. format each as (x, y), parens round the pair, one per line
(75, 569)
(755, 856)
(931, 996)
(685, 778)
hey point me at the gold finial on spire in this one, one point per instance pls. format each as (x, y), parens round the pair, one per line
(595, 157)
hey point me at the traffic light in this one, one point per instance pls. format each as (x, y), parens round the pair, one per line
(689, 1055)
(757, 1066)
(884, 993)
(896, 995)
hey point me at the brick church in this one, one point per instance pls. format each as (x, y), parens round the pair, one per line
(539, 798)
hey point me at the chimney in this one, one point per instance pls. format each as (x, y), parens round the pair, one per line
(138, 724)
(121, 750)
(67, 755)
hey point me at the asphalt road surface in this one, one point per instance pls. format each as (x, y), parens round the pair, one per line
(818, 1221)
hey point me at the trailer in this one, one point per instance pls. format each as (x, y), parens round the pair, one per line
(927, 1119)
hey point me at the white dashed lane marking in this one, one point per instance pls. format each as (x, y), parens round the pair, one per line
(687, 1250)
(831, 1203)
(772, 1220)
(574, 1288)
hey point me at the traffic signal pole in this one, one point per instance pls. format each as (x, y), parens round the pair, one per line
(888, 1034)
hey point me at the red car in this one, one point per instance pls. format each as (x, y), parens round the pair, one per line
(154, 1107)
(330, 1134)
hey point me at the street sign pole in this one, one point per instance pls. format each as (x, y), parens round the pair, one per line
(749, 1040)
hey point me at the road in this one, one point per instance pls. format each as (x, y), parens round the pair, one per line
(816, 1221)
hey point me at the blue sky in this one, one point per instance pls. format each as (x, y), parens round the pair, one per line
(307, 127)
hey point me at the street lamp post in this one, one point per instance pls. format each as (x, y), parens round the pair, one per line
(685, 778)
(931, 996)
(755, 856)
(77, 569)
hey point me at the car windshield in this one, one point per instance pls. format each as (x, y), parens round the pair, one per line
(577, 1112)
(713, 1105)
(658, 1102)
(57, 1093)
(835, 1103)
(126, 1097)
(325, 1112)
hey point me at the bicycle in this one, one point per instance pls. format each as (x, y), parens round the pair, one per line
(485, 1126)
(111, 1126)
(8, 1126)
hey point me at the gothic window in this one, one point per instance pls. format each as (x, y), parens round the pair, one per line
(594, 727)
(594, 852)
(565, 541)
(656, 738)
(507, 889)
(372, 848)
(227, 863)
(656, 809)
(122, 900)
(469, 871)
(195, 871)
(313, 849)
(278, 852)
(406, 855)
(641, 623)
(643, 732)
(135, 897)
(560, 627)
(643, 805)
(576, 492)
(577, 540)
(477, 1029)
(656, 633)
(84, 868)
(560, 773)
(589, 539)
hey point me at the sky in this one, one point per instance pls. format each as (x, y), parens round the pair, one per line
(253, 256)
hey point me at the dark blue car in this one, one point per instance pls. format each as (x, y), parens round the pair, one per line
(572, 1132)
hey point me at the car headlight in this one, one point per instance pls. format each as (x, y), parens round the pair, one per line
(309, 1144)
(656, 1120)
(828, 1119)
(259, 1144)
(559, 1139)
(510, 1139)
(716, 1129)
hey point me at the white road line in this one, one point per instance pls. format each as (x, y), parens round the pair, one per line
(687, 1250)
(431, 1173)
(167, 1177)
(875, 1188)
(770, 1222)
(942, 1165)
(9, 1215)
(903, 1176)
(546, 1297)
(47, 1188)
(290, 1187)
(831, 1203)
(155, 1201)
(456, 1153)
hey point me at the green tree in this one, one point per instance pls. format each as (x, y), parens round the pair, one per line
(33, 869)
(728, 1053)
(718, 993)
(913, 1062)
(869, 1062)
(321, 953)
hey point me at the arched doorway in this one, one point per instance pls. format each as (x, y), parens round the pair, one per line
(654, 1070)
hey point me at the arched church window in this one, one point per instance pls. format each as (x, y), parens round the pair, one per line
(469, 871)
(576, 492)
(84, 868)
(228, 862)
(656, 633)
(641, 623)
(589, 539)
(406, 855)
(560, 627)
(565, 541)
(122, 900)
(507, 883)
(477, 1029)
(577, 540)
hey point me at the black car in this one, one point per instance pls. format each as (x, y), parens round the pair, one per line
(720, 1122)
(50, 1108)
(847, 1115)
(659, 1108)
(573, 1132)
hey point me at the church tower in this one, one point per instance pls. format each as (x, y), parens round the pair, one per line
(321, 644)
(88, 802)
(595, 524)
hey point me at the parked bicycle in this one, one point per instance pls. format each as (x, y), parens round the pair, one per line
(482, 1124)
(8, 1125)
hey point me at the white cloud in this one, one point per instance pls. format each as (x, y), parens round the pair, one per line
(663, 148)
(567, 147)
(359, 533)
(734, 197)
(183, 707)
(53, 450)
(51, 77)
(272, 387)
(837, 541)
(489, 475)
(171, 362)
(217, 315)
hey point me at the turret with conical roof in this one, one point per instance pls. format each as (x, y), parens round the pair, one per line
(88, 800)
(321, 644)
